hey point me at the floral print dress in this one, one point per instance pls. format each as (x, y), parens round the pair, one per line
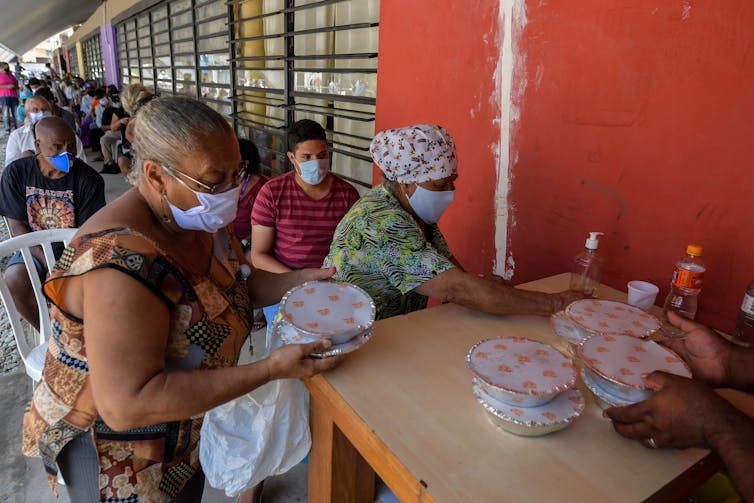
(379, 247)
(209, 321)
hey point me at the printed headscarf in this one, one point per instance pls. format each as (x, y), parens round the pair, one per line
(415, 153)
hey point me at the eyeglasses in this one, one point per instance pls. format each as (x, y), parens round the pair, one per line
(212, 189)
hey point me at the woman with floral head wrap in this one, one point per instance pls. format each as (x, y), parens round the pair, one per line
(389, 243)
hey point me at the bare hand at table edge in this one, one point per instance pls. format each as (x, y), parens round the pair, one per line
(687, 413)
(707, 354)
(712, 359)
(568, 296)
(293, 360)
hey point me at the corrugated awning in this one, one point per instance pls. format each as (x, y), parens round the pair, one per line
(24, 24)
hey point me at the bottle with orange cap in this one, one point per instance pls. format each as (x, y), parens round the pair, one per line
(686, 283)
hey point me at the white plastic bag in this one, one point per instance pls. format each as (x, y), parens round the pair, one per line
(258, 435)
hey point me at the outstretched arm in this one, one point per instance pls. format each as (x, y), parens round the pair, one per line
(491, 296)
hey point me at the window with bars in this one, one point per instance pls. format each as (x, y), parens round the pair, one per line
(295, 59)
(179, 47)
(73, 62)
(266, 64)
(93, 64)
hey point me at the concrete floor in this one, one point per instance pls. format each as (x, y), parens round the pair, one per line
(22, 479)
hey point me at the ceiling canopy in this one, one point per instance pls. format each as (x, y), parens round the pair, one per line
(24, 24)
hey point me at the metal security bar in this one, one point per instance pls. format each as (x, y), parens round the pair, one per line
(179, 47)
(93, 64)
(73, 62)
(293, 59)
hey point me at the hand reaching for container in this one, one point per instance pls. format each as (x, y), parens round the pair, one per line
(682, 413)
(567, 296)
(707, 354)
(293, 360)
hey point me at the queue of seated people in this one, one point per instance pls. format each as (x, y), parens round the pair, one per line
(306, 224)
(99, 115)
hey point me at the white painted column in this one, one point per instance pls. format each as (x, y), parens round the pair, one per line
(512, 21)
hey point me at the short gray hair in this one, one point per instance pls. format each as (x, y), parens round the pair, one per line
(38, 98)
(168, 129)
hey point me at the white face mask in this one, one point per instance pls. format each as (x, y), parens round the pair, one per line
(429, 205)
(38, 116)
(214, 212)
(103, 102)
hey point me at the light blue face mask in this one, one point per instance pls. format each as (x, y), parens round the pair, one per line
(314, 171)
(62, 162)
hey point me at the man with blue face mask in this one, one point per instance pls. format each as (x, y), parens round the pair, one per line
(49, 190)
(389, 243)
(21, 141)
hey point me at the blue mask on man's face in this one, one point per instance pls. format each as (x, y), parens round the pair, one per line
(62, 162)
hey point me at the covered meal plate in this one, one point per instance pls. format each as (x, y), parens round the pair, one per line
(289, 335)
(610, 317)
(564, 327)
(531, 421)
(619, 361)
(604, 398)
(520, 371)
(331, 309)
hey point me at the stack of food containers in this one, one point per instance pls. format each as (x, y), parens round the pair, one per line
(610, 338)
(614, 366)
(526, 386)
(334, 310)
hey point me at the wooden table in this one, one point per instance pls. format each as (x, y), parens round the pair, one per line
(402, 407)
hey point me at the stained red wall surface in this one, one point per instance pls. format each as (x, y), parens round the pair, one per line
(638, 120)
(437, 61)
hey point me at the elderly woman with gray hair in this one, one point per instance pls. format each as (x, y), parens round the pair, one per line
(151, 304)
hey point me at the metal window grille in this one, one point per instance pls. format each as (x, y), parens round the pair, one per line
(179, 47)
(294, 59)
(93, 64)
(266, 64)
(73, 62)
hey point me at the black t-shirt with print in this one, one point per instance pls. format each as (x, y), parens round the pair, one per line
(50, 203)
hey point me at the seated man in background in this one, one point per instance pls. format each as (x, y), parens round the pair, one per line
(688, 413)
(21, 141)
(57, 111)
(389, 243)
(113, 117)
(50, 190)
(295, 214)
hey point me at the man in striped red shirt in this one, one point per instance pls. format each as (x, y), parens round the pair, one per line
(295, 214)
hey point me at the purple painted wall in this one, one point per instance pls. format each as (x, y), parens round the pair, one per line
(109, 57)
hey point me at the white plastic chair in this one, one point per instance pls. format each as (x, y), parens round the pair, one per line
(32, 354)
(116, 150)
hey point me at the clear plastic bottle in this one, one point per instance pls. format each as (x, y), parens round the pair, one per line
(745, 324)
(686, 283)
(587, 267)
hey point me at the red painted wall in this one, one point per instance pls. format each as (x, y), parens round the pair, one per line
(638, 120)
(437, 61)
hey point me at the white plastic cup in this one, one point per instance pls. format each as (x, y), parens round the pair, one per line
(642, 294)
